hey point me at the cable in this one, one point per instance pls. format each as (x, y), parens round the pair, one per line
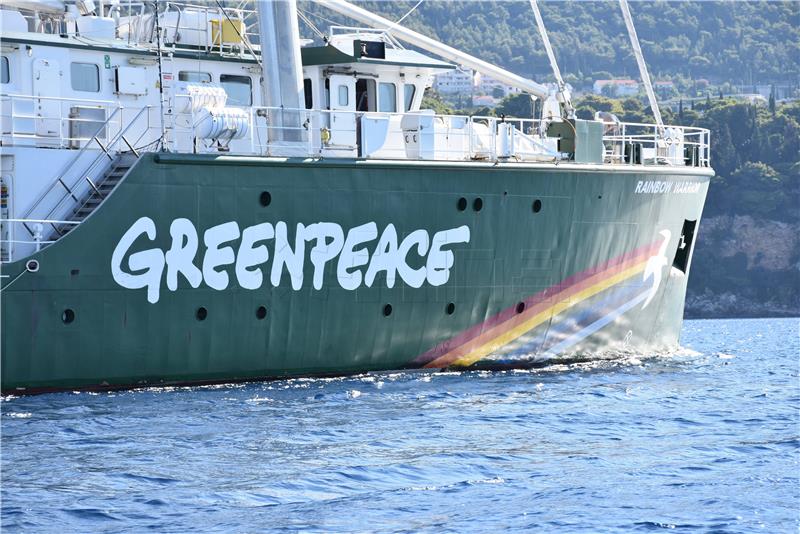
(236, 29)
(401, 19)
(310, 25)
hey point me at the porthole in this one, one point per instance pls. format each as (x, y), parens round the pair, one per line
(520, 307)
(387, 310)
(201, 314)
(450, 309)
(537, 206)
(265, 199)
(462, 204)
(477, 204)
(67, 316)
(261, 312)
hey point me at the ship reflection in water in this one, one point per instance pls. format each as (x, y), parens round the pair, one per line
(703, 439)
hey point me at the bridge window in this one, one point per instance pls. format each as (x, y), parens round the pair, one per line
(409, 90)
(387, 97)
(365, 95)
(85, 77)
(194, 76)
(4, 70)
(237, 88)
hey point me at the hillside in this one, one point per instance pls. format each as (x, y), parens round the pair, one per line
(723, 41)
(747, 260)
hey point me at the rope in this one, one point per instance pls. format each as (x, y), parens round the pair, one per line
(329, 21)
(6, 286)
(242, 37)
(310, 25)
(401, 19)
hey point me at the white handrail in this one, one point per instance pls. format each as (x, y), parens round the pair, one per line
(456, 137)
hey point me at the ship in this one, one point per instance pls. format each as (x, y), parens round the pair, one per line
(193, 194)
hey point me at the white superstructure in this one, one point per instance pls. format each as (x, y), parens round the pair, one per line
(88, 85)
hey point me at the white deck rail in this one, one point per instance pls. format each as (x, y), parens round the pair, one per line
(416, 135)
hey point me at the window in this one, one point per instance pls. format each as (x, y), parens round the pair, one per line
(387, 97)
(366, 96)
(194, 76)
(4, 70)
(308, 94)
(237, 89)
(344, 95)
(409, 90)
(85, 77)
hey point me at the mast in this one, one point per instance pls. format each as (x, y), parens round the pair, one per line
(282, 86)
(435, 47)
(637, 51)
(562, 87)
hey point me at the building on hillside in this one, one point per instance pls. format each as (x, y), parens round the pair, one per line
(616, 87)
(454, 81)
(664, 89)
(479, 101)
(487, 85)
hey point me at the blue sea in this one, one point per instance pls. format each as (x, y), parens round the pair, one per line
(705, 440)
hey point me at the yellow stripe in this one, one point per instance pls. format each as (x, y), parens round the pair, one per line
(539, 318)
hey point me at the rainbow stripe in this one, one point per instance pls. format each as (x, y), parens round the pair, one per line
(507, 329)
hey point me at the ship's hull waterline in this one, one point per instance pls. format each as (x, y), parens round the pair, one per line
(205, 269)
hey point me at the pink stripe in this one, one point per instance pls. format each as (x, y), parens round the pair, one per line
(508, 313)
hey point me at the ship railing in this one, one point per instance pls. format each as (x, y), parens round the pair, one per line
(381, 135)
(411, 135)
(56, 122)
(187, 25)
(74, 182)
(370, 33)
(423, 135)
(649, 144)
(37, 239)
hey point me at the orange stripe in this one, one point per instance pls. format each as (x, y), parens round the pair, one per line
(539, 318)
(496, 331)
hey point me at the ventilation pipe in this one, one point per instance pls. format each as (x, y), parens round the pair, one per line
(282, 78)
(435, 47)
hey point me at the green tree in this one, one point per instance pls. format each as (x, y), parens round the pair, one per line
(519, 105)
(432, 100)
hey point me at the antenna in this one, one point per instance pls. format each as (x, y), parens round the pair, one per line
(160, 80)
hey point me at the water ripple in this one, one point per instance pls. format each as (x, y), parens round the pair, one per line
(705, 439)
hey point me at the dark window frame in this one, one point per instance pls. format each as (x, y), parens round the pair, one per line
(188, 73)
(5, 67)
(408, 102)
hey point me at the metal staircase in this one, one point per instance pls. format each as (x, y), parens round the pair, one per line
(75, 194)
(98, 191)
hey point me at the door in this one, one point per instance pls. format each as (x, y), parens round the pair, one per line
(343, 110)
(47, 83)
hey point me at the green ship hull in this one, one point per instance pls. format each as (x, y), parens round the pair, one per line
(203, 269)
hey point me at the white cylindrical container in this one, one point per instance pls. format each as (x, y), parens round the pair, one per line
(227, 123)
(192, 97)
